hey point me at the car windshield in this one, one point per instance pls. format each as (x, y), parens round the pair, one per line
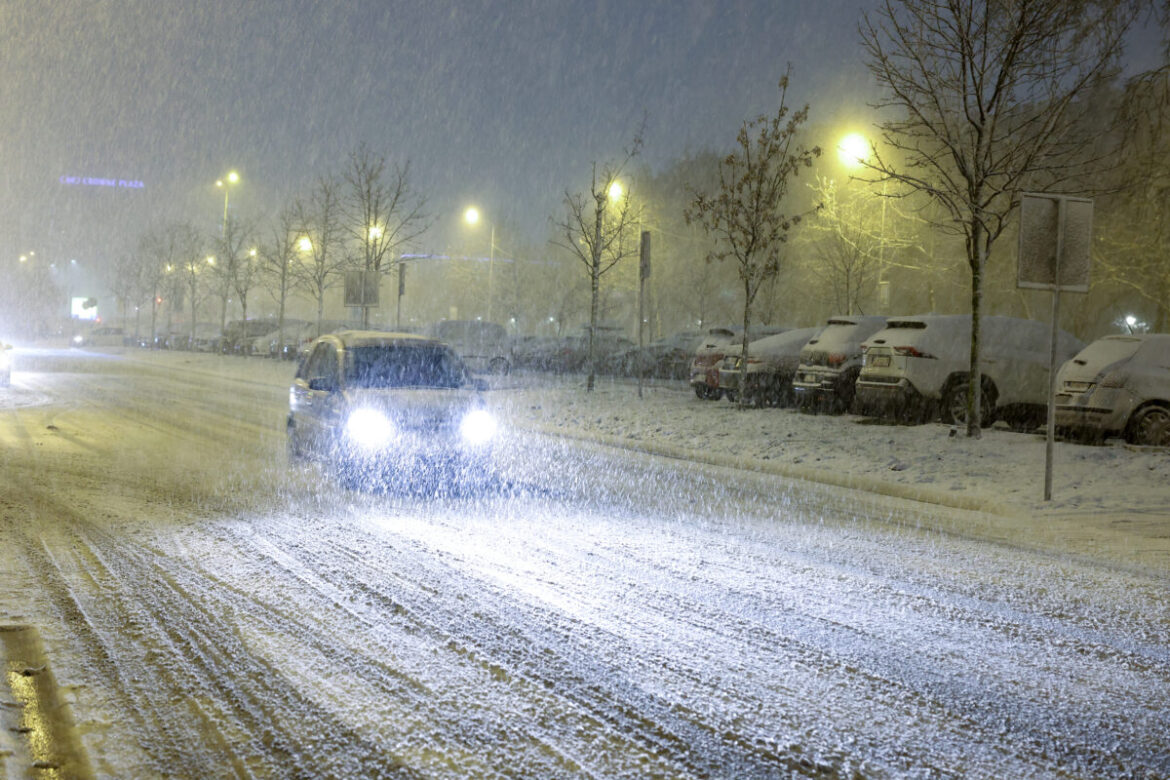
(400, 366)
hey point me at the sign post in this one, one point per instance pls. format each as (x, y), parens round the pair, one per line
(643, 275)
(1055, 238)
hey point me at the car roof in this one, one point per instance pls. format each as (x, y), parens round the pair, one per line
(380, 338)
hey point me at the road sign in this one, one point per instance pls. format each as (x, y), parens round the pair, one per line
(361, 288)
(1056, 232)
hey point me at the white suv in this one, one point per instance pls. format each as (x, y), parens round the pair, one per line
(919, 365)
(1118, 384)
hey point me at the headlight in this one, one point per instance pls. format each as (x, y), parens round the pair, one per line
(369, 429)
(78, 339)
(478, 427)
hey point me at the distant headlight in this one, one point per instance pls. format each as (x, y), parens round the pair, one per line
(478, 427)
(78, 339)
(369, 429)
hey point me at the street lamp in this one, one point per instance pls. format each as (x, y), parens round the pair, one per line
(854, 151)
(472, 216)
(225, 184)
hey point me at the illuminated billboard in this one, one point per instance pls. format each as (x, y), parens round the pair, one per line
(84, 308)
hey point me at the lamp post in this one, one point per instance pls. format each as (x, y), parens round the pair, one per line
(472, 216)
(854, 152)
(225, 184)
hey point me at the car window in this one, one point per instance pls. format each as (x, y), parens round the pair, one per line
(321, 364)
(399, 366)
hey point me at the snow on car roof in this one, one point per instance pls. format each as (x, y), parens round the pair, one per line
(379, 338)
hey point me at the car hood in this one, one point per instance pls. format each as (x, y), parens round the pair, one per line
(417, 407)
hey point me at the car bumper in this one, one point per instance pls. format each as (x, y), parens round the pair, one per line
(1102, 409)
(884, 397)
(820, 385)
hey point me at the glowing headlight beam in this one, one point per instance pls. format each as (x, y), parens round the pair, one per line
(478, 427)
(369, 429)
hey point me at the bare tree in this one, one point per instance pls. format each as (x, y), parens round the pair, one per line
(191, 273)
(278, 265)
(1134, 250)
(598, 230)
(320, 242)
(989, 97)
(232, 268)
(384, 214)
(159, 252)
(844, 247)
(238, 245)
(744, 214)
(130, 287)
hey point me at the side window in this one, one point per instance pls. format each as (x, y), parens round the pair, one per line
(328, 366)
(316, 365)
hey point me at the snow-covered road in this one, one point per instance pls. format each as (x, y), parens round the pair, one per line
(207, 611)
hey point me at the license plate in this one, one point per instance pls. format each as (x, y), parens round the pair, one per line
(810, 379)
(880, 361)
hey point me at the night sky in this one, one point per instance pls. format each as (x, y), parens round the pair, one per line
(504, 104)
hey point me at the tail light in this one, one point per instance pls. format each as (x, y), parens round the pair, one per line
(837, 358)
(913, 352)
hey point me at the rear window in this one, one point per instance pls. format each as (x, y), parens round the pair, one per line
(399, 366)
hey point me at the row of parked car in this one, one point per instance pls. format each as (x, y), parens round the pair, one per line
(915, 369)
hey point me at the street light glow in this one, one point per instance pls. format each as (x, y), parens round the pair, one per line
(305, 244)
(471, 216)
(615, 191)
(853, 150)
(375, 232)
(210, 260)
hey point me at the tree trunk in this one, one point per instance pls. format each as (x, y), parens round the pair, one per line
(594, 289)
(978, 259)
(741, 401)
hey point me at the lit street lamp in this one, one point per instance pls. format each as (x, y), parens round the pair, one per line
(854, 151)
(225, 184)
(471, 216)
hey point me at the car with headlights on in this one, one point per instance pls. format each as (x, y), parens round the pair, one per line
(390, 410)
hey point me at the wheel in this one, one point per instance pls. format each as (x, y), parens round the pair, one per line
(499, 367)
(732, 395)
(1150, 426)
(296, 451)
(953, 409)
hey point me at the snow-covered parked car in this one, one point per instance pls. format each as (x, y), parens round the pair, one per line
(704, 372)
(917, 367)
(104, 336)
(1118, 385)
(709, 353)
(831, 361)
(390, 409)
(766, 379)
(483, 346)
